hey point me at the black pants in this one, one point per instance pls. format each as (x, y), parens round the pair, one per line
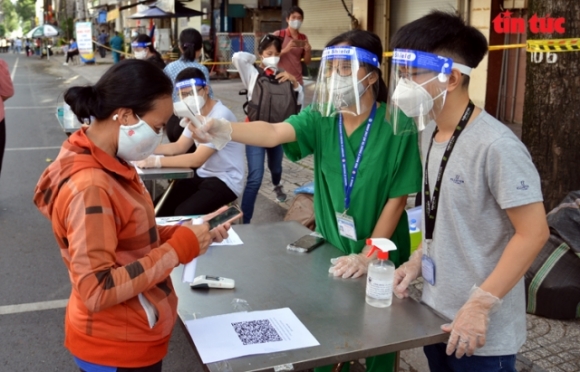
(2, 141)
(70, 55)
(196, 196)
(152, 368)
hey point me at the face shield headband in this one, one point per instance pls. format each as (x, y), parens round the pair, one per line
(136, 44)
(191, 101)
(339, 86)
(418, 88)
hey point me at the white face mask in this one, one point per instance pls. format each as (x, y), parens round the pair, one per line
(412, 98)
(141, 55)
(295, 24)
(344, 94)
(195, 103)
(137, 141)
(271, 62)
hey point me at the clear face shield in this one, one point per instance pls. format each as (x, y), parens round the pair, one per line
(140, 49)
(417, 88)
(343, 81)
(192, 97)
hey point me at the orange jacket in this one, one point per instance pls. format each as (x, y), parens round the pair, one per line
(103, 220)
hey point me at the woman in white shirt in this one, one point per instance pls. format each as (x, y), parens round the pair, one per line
(219, 174)
(269, 50)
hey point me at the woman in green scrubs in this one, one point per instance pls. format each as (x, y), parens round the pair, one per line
(336, 130)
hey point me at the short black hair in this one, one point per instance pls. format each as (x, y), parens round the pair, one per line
(191, 41)
(190, 73)
(143, 38)
(443, 33)
(268, 40)
(294, 9)
(122, 85)
(370, 42)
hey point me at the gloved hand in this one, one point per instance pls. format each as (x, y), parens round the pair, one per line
(184, 122)
(406, 273)
(351, 266)
(153, 161)
(216, 131)
(469, 328)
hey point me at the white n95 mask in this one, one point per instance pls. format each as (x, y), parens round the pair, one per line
(344, 93)
(195, 103)
(137, 141)
(271, 62)
(295, 24)
(412, 98)
(141, 55)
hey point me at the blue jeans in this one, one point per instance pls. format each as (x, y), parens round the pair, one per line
(439, 361)
(255, 156)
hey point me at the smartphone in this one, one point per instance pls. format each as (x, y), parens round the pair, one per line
(306, 244)
(299, 43)
(229, 215)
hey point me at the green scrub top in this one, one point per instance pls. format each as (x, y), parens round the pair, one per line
(390, 168)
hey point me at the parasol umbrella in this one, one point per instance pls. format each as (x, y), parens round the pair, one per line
(45, 30)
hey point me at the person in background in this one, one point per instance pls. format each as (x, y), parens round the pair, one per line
(17, 46)
(269, 50)
(295, 46)
(122, 307)
(102, 40)
(190, 45)
(362, 171)
(6, 91)
(143, 49)
(73, 50)
(219, 174)
(116, 44)
(27, 48)
(38, 46)
(484, 218)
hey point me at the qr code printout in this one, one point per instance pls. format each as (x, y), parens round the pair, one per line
(256, 332)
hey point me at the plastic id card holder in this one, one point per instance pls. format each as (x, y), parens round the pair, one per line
(428, 268)
(346, 226)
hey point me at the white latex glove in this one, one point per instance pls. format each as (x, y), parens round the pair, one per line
(406, 273)
(351, 266)
(184, 122)
(153, 161)
(215, 131)
(469, 328)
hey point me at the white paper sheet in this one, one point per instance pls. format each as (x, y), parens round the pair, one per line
(235, 335)
(189, 271)
(233, 239)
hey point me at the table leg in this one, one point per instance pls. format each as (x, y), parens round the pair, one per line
(397, 360)
(165, 195)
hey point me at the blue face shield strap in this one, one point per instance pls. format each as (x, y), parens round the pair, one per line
(350, 52)
(140, 44)
(190, 83)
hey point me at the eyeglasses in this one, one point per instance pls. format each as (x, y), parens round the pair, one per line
(189, 92)
(342, 68)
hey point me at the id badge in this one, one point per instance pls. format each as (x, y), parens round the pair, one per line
(346, 226)
(428, 268)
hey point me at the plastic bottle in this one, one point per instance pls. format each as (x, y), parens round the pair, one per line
(381, 274)
(415, 235)
(68, 117)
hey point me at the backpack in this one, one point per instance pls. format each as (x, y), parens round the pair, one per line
(272, 102)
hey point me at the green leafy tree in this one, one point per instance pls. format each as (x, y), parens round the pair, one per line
(26, 12)
(2, 30)
(11, 20)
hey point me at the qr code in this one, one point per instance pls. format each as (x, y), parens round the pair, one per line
(256, 332)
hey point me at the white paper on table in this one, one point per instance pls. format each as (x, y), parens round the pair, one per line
(189, 271)
(233, 239)
(235, 335)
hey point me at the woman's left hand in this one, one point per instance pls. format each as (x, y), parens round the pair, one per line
(285, 76)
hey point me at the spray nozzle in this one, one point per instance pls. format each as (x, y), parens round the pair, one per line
(383, 245)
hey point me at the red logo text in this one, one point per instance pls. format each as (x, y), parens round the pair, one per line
(505, 24)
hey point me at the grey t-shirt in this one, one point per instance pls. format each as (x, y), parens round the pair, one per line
(489, 171)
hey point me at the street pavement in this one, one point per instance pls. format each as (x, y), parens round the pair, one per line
(34, 283)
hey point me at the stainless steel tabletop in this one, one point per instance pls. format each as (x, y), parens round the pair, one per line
(165, 173)
(333, 309)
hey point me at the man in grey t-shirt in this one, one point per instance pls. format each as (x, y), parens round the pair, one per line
(485, 221)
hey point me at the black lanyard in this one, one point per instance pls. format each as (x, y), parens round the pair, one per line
(432, 202)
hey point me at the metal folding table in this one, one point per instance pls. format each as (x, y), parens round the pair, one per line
(333, 309)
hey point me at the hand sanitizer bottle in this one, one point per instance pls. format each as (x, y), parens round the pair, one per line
(381, 274)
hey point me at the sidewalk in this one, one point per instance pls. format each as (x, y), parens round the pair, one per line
(551, 345)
